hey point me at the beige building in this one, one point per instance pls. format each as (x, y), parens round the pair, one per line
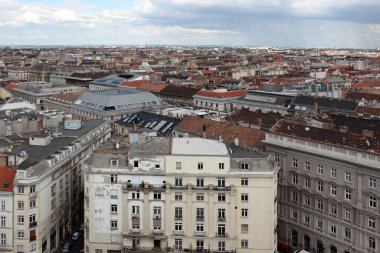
(180, 194)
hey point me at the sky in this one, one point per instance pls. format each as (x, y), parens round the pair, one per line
(284, 23)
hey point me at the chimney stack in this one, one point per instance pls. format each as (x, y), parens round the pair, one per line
(204, 134)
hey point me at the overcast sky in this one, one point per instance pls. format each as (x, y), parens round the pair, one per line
(294, 23)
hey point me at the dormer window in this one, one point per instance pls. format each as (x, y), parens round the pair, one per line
(244, 166)
(114, 162)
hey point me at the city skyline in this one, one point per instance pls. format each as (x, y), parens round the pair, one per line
(352, 24)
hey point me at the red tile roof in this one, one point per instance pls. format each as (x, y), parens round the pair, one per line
(7, 176)
(226, 94)
(10, 86)
(135, 84)
(248, 137)
(153, 87)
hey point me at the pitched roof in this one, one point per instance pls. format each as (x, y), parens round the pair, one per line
(221, 94)
(308, 102)
(357, 96)
(153, 87)
(181, 91)
(135, 84)
(6, 179)
(248, 137)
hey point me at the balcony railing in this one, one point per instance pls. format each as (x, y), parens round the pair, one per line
(176, 232)
(157, 217)
(135, 231)
(179, 187)
(221, 218)
(33, 224)
(222, 188)
(157, 232)
(33, 195)
(222, 235)
(178, 217)
(200, 218)
(200, 233)
(135, 216)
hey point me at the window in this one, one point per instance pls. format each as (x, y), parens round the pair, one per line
(178, 213)
(200, 197)
(21, 189)
(372, 202)
(2, 205)
(178, 226)
(333, 173)
(135, 210)
(2, 221)
(114, 163)
(333, 209)
(333, 228)
(221, 245)
(221, 214)
(20, 205)
(178, 165)
(3, 239)
(347, 233)
(157, 195)
(277, 158)
(294, 214)
(295, 163)
(200, 245)
(319, 204)
(32, 204)
(244, 228)
(372, 243)
(20, 219)
(178, 243)
(135, 195)
(372, 183)
(221, 197)
(200, 214)
(294, 196)
(320, 170)
(244, 197)
(178, 196)
(33, 247)
(221, 182)
(371, 222)
(333, 190)
(200, 166)
(113, 208)
(98, 251)
(319, 224)
(306, 218)
(113, 224)
(200, 182)
(347, 194)
(320, 186)
(113, 193)
(32, 189)
(307, 166)
(244, 243)
(53, 187)
(244, 181)
(221, 166)
(113, 178)
(157, 166)
(244, 212)
(20, 234)
(199, 227)
(347, 177)
(307, 182)
(244, 166)
(20, 248)
(347, 214)
(221, 229)
(295, 178)
(307, 200)
(136, 164)
(178, 181)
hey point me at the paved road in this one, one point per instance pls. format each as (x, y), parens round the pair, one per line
(78, 245)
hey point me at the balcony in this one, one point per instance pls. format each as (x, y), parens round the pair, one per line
(222, 188)
(178, 233)
(178, 217)
(135, 216)
(157, 217)
(135, 231)
(178, 187)
(200, 187)
(221, 235)
(221, 218)
(199, 233)
(33, 195)
(200, 218)
(33, 224)
(157, 232)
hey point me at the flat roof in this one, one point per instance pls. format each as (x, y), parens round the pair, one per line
(198, 146)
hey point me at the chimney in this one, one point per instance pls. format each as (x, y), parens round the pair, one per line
(204, 135)
(316, 106)
(343, 129)
(259, 122)
(236, 142)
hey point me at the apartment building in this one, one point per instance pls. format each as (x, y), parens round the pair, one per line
(180, 194)
(48, 184)
(328, 187)
(6, 208)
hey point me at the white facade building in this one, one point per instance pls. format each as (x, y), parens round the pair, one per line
(181, 194)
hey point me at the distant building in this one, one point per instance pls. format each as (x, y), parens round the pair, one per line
(180, 195)
(112, 81)
(219, 100)
(114, 104)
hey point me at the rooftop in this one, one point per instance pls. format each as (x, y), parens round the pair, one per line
(198, 146)
(6, 179)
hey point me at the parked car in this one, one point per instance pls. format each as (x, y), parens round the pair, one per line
(67, 247)
(76, 236)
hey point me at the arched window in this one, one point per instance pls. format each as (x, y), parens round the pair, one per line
(294, 238)
(320, 248)
(306, 242)
(333, 249)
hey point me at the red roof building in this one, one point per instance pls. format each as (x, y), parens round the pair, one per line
(218, 100)
(7, 176)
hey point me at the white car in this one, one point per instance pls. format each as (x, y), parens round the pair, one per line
(76, 236)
